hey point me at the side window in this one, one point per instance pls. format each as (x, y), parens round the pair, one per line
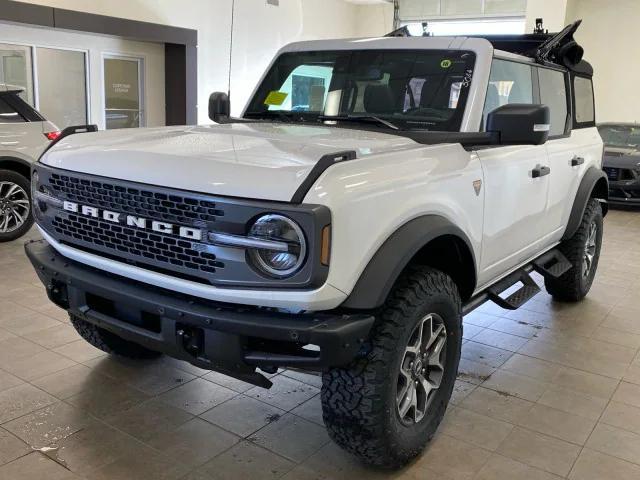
(553, 94)
(509, 82)
(585, 115)
(8, 114)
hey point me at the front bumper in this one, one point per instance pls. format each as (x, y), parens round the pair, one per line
(217, 336)
(625, 192)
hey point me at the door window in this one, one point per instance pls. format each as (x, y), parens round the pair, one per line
(509, 82)
(123, 93)
(553, 94)
(583, 92)
(62, 86)
(16, 70)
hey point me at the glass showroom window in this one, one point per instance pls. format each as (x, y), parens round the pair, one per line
(16, 69)
(62, 86)
(123, 98)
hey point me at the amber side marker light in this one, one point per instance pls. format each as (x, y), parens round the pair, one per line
(325, 250)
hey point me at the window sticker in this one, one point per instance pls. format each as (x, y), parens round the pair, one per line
(275, 98)
(446, 63)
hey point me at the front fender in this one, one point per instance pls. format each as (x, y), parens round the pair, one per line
(382, 271)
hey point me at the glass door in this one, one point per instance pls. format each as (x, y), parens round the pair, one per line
(16, 69)
(62, 86)
(123, 96)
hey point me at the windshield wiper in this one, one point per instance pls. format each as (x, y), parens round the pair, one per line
(359, 118)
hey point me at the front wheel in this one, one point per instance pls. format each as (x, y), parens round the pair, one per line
(583, 252)
(385, 406)
(15, 206)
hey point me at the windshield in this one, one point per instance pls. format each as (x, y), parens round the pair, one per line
(626, 136)
(408, 89)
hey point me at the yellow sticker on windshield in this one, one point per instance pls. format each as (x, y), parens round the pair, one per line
(445, 63)
(275, 98)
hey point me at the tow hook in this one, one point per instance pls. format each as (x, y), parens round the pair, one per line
(192, 340)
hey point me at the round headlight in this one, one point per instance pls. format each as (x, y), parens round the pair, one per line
(289, 246)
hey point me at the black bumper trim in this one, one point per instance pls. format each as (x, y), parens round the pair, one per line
(235, 339)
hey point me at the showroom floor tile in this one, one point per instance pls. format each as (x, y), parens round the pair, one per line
(545, 392)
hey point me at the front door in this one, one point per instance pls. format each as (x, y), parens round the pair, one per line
(515, 207)
(516, 181)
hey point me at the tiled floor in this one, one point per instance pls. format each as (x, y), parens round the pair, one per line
(549, 391)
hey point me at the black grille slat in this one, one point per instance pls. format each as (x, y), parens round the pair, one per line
(146, 203)
(161, 248)
(144, 248)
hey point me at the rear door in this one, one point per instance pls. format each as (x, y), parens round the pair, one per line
(568, 150)
(515, 201)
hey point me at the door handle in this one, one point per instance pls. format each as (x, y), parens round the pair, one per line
(540, 171)
(575, 161)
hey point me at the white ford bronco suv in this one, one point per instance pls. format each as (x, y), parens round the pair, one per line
(372, 193)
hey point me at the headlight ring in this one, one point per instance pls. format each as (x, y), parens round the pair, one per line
(278, 263)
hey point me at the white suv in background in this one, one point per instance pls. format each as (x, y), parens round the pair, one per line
(24, 134)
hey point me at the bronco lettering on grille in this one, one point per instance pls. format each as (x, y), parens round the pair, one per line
(133, 221)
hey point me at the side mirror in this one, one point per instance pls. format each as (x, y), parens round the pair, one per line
(219, 107)
(520, 124)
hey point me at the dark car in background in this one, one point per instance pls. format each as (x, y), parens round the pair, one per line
(622, 161)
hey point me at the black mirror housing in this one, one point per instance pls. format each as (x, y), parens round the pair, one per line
(219, 107)
(520, 124)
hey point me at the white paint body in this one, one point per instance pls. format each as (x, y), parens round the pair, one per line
(512, 219)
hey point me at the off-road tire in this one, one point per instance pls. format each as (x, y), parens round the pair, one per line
(110, 343)
(25, 184)
(359, 400)
(573, 286)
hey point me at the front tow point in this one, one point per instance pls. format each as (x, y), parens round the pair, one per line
(191, 340)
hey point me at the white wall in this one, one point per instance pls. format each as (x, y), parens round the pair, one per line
(374, 20)
(259, 31)
(609, 35)
(95, 46)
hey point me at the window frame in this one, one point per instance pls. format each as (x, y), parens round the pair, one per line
(142, 91)
(535, 90)
(568, 98)
(535, 85)
(575, 123)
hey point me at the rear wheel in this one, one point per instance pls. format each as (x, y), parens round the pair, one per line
(110, 343)
(583, 252)
(386, 406)
(15, 206)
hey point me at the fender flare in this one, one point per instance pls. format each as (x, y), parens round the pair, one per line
(7, 162)
(386, 265)
(593, 179)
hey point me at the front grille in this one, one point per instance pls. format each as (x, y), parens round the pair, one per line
(150, 246)
(135, 201)
(170, 251)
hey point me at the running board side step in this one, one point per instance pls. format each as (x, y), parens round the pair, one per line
(552, 264)
(518, 298)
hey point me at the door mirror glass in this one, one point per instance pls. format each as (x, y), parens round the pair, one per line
(219, 107)
(520, 124)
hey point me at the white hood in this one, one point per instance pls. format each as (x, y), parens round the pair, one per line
(256, 160)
